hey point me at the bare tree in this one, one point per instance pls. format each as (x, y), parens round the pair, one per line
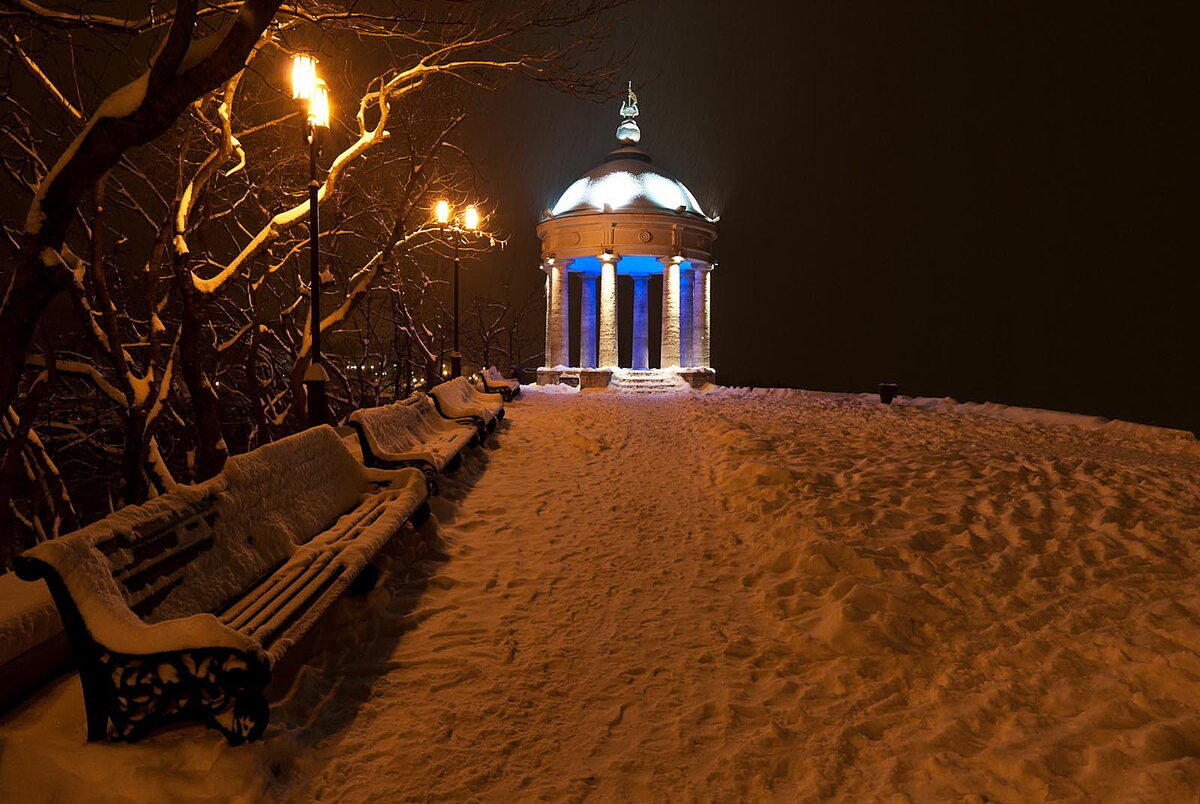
(171, 226)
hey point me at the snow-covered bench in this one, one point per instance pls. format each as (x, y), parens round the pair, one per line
(458, 399)
(178, 609)
(411, 433)
(496, 383)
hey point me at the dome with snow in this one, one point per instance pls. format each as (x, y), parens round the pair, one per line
(626, 181)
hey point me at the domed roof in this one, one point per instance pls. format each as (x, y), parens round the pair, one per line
(626, 181)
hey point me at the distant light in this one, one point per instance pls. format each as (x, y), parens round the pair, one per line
(471, 218)
(304, 76)
(549, 260)
(318, 110)
(443, 211)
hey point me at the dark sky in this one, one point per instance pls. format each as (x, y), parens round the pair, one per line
(990, 201)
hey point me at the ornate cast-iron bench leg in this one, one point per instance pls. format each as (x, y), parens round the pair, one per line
(222, 687)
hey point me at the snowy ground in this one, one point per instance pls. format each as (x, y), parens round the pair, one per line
(738, 597)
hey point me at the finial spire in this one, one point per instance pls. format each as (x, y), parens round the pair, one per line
(629, 108)
(628, 132)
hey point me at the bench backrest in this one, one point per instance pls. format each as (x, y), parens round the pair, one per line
(389, 428)
(429, 421)
(458, 394)
(273, 500)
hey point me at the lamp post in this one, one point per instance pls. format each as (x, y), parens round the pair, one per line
(310, 89)
(469, 223)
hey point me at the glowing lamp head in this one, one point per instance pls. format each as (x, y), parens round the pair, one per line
(304, 76)
(471, 218)
(442, 211)
(318, 108)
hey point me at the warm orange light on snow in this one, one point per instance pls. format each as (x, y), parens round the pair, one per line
(471, 218)
(442, 211)
(304, 76)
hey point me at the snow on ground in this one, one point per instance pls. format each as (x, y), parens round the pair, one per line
(736, 596)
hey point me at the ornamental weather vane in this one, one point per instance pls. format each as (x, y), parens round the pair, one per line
(628, 132)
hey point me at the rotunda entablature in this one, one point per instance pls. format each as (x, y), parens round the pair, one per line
(627, 234)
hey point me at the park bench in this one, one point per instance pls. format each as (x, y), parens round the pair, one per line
(496, 383)
(458, 399)
(411, 433)
(178, 609)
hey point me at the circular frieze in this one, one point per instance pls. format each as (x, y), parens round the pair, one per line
(645, 236)
(575, 238)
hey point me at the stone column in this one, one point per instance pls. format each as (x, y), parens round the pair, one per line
(701, 315)
(641, 322)
(560, 333)
(670, 313)
(685, 317)
(608, 314)
(587, 322)
(549, 347)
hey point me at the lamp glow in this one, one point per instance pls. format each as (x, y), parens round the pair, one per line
(318, 110)
(442, 211)
(471, 218)
(304, 76)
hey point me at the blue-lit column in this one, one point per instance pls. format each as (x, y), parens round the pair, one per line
(587, 321)
(685, 316)
(701, 313)
(641, 322)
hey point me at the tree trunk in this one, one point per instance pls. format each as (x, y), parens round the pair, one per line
(211, 451)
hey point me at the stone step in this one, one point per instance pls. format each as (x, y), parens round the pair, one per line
(645, 382)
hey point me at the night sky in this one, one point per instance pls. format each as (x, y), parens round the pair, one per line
(990, 201)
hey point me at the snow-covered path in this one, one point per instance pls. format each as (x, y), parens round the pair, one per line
(738, 597)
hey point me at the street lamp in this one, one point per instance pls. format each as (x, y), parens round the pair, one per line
(308, 88)
(469, 223)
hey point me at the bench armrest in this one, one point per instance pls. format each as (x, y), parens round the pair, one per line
(395, 478)
(89, 600)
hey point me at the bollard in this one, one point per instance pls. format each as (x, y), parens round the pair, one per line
(887, 392)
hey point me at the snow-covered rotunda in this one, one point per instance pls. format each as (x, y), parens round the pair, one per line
(627, 218)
